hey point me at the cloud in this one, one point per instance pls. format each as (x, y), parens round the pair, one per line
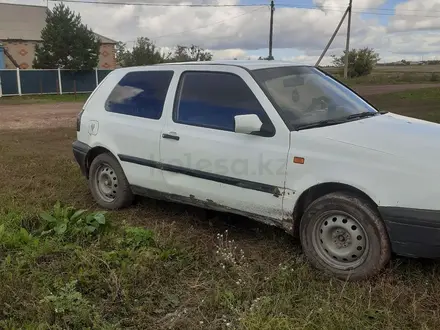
(232, 53)
(242, 32)
(223, 28)
(416, 15)
(338, 4)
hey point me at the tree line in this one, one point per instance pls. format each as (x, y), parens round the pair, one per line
(145, 52)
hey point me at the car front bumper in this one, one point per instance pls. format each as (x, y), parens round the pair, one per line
(413, 232)
(80, 151)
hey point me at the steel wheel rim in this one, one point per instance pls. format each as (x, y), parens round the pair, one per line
(340, 240)
(106, 182)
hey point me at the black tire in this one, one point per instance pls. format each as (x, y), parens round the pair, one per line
(121, 191)
(326, 244)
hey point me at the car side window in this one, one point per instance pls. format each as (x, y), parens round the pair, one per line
(140, 94)
(213, 99)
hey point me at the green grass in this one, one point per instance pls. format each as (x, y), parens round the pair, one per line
(393, 78)
(48, 98)
(401, 69)
(393, 75)
(160, 265)
(419, 103)
(423, 95)
(408, 68)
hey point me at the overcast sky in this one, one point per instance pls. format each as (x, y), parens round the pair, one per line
(397, 29)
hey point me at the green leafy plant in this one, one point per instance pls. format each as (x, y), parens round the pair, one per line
(136, 237)
(67, 220)
(70, 308)
(67, 299)
(16, 239)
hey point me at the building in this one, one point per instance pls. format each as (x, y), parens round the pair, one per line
(20, 31)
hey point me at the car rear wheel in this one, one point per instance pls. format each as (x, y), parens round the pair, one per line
(108, 183)
(343, 235)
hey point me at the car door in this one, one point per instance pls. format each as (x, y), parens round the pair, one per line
(203, 158)
(134, 124)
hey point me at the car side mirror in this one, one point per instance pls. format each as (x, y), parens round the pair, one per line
(247, 124)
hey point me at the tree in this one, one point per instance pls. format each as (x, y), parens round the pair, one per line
(360, 62)
(191, 53)
(66, 42)
(121, 53)
(144, 52)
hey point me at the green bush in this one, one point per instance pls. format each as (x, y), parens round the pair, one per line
(361, 62)
(68, 222)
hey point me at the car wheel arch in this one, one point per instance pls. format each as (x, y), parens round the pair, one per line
(314, 192)
(93, 153)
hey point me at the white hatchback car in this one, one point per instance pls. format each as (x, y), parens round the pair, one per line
(282, 144)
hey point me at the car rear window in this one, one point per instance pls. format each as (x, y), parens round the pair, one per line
(140, 94)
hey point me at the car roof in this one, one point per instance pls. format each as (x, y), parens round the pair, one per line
(248, 64)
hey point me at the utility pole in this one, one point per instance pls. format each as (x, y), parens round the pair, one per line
(272, 9)
(347, 46)
(332, 38)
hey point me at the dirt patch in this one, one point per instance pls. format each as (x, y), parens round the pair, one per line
(24, 116)
(384, 89)
(38, 115)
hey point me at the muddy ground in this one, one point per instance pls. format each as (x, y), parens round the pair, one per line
(23, 116)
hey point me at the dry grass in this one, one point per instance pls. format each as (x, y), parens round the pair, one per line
(187, 276)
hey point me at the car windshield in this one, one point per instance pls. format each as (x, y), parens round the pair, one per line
(306, 97)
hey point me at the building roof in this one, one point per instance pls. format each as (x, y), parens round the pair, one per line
(25, 22)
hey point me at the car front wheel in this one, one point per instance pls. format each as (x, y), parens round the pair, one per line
(343, 235)
(108, 184)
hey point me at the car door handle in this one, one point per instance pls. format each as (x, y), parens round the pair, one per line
(171, 136)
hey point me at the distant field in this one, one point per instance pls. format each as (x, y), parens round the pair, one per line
(398, 74)
(398, 69)
(409, 68)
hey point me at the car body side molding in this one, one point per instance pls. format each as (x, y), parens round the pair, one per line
(273, 190)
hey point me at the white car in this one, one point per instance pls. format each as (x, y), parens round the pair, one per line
(283, 144)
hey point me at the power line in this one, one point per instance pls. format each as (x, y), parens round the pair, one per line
(363, 10)
(304, 5)
(149, 4)
(360, 11)
(206, 26)
(201, 27)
